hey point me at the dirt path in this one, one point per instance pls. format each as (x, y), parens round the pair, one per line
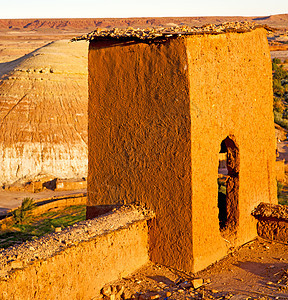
(283, 151)
(251, 272)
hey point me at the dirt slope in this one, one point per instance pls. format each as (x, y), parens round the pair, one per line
(43, 113)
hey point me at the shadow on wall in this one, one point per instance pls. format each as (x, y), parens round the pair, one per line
(228, 188)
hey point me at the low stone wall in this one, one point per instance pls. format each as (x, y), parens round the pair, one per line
(77, 262)
(59, 203)
(62, 185)
(54, 184)
(272, 221)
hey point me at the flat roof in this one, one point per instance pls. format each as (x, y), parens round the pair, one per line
(160, 33)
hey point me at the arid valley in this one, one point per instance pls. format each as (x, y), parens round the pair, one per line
(44, 157)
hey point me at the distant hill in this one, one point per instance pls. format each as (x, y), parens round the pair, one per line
(280, 21)
(43, 115)
(88, 24)
(44, 94)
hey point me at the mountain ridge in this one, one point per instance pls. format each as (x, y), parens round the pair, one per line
(280, 20)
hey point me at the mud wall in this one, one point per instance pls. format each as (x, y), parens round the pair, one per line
(273, 229)
(157, 116)
(139, 138)
(231, 96)
(272, 221)
(60, 267)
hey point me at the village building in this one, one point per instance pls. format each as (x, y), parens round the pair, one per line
(163, 103)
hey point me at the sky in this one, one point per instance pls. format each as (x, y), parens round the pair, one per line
(146, 8)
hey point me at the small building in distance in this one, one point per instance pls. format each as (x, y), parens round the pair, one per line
(163, 103)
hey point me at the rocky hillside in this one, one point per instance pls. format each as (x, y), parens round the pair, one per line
(43, 113)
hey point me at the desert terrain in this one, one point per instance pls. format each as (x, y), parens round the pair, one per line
(43, 90)
(44, 98)
(19, 37)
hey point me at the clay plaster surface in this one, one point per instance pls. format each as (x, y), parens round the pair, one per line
(224, 73)
(77, 262)
(157, 116)
(140, 138)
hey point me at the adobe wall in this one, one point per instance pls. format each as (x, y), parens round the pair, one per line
(157, 116)
(231, 95)
(77, 262)
(139, 138)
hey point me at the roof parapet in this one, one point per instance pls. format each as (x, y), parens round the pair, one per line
(149, 35)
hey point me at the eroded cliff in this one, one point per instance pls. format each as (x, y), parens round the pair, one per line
(43, 113)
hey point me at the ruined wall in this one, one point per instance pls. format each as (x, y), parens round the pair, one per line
(77, 262)
(272, 222)
(231, 95)
(157, 116)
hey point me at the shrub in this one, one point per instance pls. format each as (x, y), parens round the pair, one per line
(278, 89)
(274, 66)
(280, 73)
(278, 105)
(276, 60)
(22, 214)
(279, 188)
(278, 119)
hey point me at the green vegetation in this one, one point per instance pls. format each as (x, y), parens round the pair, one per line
(282, 193)
(33, 227)
(276, 60)
(222, 186)
(280, 89)
(23, 213)
(278, 119)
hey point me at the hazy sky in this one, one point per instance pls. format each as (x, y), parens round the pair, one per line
(144, 8)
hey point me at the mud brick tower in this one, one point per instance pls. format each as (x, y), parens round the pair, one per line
(162, 104)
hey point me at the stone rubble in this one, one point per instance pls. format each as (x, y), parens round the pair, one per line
(173, 290)
(150, 34)
(267, 210)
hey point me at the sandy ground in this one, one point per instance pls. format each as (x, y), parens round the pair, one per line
(11, 200)
(250, 272)
(283, 151)
(280, 54)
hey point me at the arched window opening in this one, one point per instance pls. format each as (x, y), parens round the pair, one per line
(222, 177)
(228, 187)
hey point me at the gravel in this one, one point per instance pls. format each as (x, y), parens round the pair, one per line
(267, 210)
(151, 34)
(47, 246)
